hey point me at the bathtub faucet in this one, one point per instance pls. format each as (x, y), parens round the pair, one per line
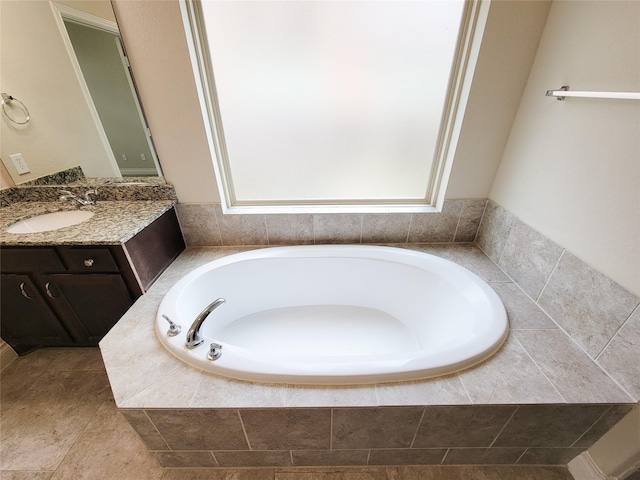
(194, 337)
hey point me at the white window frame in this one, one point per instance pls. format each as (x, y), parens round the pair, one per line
(471, 31)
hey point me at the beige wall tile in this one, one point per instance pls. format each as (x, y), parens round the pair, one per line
(470, 217)
(206, 429)
(494, 230)
(569, 369)
(337, 228)
(290, 229)
(461, 426)
(620, 357)
(589, 306)
(436, 391)
(549, 425)
(512, 378)
(383, 427)
(385, 228)
(436, 227)
(288, 428)
(198, 224)
(529, 258)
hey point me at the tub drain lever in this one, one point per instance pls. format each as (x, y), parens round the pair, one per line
(174, 328)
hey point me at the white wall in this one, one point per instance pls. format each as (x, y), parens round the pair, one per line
(571, 169)
(156, 45)
(508, 49)
(36, 69)
(154, 36)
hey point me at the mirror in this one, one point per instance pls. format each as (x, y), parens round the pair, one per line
(64, 62)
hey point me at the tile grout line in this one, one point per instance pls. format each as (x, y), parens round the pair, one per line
(219, 230)
(591, 426)
(409, 228)
(553, 270)
(445, 456)
(244, 430)
(484, 211)
(266, 229)
(636, 309)
(161, 378)
(540, 369)
(506, 240)
(84, 429)
(331, 429)
(455, 230)
(195, 392)
(522, 455)
(504, 426)
(144, 411)
(415, 434)
(471, 402)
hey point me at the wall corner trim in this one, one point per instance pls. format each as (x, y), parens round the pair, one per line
(583, 467)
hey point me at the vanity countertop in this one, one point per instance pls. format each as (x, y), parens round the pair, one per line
(114, 222)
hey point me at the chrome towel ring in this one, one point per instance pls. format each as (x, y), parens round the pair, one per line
(8, 99)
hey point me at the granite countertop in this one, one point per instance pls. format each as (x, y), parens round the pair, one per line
(114, 222)
(538, 364)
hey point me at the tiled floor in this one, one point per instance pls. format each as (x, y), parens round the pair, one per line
(59, 421)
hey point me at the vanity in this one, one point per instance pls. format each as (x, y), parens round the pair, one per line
(70, 285)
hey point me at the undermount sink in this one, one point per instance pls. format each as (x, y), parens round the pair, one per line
(50, 221)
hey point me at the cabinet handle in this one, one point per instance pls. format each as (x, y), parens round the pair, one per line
(88, 262)
(24, 294)
(49, 294)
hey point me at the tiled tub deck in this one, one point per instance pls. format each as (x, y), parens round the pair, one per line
(540, 400)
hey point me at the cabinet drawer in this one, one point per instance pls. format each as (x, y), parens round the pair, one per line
(25, 260)
(88, 260)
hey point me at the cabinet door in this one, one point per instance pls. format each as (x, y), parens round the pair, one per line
(27, 320)
(88, 304)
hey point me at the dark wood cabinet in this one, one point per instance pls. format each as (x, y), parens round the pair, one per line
(72, 295)
(25, 315)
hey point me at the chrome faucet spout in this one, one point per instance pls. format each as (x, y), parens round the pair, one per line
(194, 337)
(66, 195)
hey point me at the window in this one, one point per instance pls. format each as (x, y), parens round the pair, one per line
(331, 105)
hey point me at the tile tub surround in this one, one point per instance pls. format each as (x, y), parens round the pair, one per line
(408, 435)
(540, 400)
(205, 225)
(600, 316)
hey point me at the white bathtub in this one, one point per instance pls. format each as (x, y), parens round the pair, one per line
(338, 314)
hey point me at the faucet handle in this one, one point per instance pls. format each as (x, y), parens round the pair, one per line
(93, 191)
(66, 195)
(215, 352)
(174, 328)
